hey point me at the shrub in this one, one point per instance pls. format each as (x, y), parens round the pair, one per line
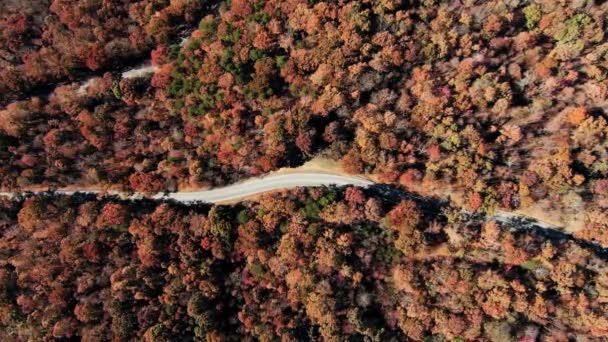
(533, 14)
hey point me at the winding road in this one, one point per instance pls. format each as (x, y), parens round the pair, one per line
(271, 182)
(241, 190)
(307, 178)
(274, 181)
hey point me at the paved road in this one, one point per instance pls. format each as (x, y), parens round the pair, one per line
(279, 181)
(250, 187)
(266, 184)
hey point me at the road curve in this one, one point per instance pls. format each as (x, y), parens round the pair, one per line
(265, 184)
(271, 182)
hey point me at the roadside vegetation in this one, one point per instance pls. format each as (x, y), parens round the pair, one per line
(500, 103)
(489, 105)
(312, 264)
(43, 42)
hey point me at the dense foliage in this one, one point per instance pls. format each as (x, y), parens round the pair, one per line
(497, 103)
(322, 263)
(45, 41)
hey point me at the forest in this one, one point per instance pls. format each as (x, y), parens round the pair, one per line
(329, 264)
(473, 107)
(48, 41)
(500, 103)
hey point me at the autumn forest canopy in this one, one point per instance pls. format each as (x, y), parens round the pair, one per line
(310, 264)
(474, 108)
